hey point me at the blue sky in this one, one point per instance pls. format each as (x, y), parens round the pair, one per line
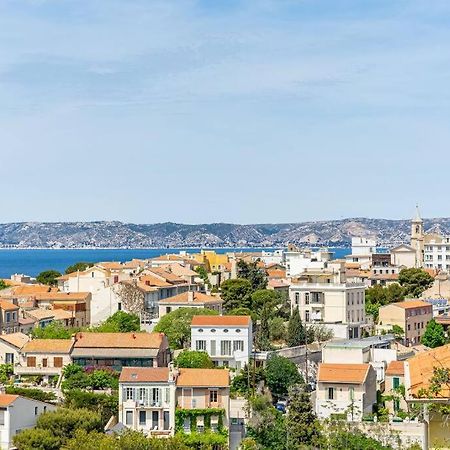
(237, 111)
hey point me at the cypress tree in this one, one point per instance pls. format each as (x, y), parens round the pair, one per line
(296, 330)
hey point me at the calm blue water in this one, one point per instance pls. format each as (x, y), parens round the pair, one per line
(32, 262)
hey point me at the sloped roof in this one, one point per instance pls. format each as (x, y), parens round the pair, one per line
(409, 304)
(118, 340)
(7, 399)
(198, 298)
(343, 373)
(48, 346)
(221, 321)
(18, 340)
(203, 377)
(7, 305)
(144, 374)
(396, 368)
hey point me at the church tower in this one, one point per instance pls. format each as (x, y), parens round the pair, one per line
(417, 236)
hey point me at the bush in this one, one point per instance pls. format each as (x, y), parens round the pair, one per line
(194, 360)
(36, 394)
(36, 439)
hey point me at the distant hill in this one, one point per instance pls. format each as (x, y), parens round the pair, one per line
(126, 235)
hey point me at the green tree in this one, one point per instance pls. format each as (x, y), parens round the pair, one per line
(3, 285)
(302, 424)
(377, 296)
(203, 274)
(247, 379)
(434, 335)
(398, 331)
(119, 322)
(266, 426)
(78, 267)
(104, 404)
(341, 436)
(36, 439)
(296, 333)
(277, 329)
(194, 360)
(177, 325)
(243, 312)
(280, 375)
(6, 370)
(414, 281)
(54, 330)
(262, 337)
(251, 272)
(48, 277)
(320, 333)
(236, 294)
(266, 298)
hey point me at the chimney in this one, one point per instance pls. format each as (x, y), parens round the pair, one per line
(190, 296)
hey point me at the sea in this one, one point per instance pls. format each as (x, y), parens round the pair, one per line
(33, 261)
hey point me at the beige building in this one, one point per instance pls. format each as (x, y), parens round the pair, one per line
(410, 315)
(348, 389)
(395, 378)
(403, 256)
(44, 357)
(10, 347)
(325, 296)
(9, 317)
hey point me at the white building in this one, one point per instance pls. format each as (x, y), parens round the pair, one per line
(299, 261)
(16, 414)
(147, 400)
(324, 296)
(437, 252)
(362, 250)
(275, 257)
(347, 389)
(228, 340)
(375, 350)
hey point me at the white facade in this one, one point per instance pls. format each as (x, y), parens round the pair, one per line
(437, 252)
(227, 345)
(275, 257)
(299, 262)
(17, 415)
(325, 297)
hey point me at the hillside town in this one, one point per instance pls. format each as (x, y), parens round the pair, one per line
(275, 349)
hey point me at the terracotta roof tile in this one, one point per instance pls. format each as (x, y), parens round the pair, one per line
(7, 305)
(144, 374)
(408, 304)
(342, 373)
(396, 368)
(62, 296)
(16, 339)
(204, 377)
(7, 399)
(48, 346)
(119, 340)
(221, 321)
(32, 289)
(198, 298)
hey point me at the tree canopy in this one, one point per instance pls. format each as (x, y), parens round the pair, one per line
(176, 325)
(78, 267)
(119, 322)
(3, 285)
(280, 375)
(254, 274)
(194, 360)
(296, 334)
(414, 281)
(377, 296)
(236, 294)
(48, 277)
(434, 335)
(54, 330)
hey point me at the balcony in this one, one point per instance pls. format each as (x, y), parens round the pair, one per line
(24, 370)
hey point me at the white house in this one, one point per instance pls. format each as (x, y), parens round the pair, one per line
(18, 413)
(227, 339)
(362, 250)
(324, 296)
(298, 262)
(10, 346)
(348, 389)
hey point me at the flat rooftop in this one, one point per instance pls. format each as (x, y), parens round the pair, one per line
(362, 343)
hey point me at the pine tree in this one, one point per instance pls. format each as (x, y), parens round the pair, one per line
(301, 422)
(262, 338)
(296, 330)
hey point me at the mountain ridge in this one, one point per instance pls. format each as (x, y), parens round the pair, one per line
(107, 234)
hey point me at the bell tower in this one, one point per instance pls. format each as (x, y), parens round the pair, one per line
(417, 236)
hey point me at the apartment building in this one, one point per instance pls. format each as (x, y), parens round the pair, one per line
(412, 316)
(18, 413)
(298, 261)
(362, 251)
(324, 296)
(228, 340)
(345, 389)
(164, 401)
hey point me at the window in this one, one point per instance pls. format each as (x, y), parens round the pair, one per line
(307, 298)
(44, 362)
(187, 425)
(142, 392)
(129, 393)
(35, 410)
(306, 316)
(225, 348)
(8, 317)
(330, 393)
(351, 393)
(238, 346)
(297, 297)
(213, 330)
(2, 417)
(167, 395)
(225, 330)
(238, 330)
(213, 396)
(57, 361)
(142, 417)
(200, 345)
(9, 358)
(395, 382)
(213, 348)
(155, 396)
(31, 361)
(128, 417)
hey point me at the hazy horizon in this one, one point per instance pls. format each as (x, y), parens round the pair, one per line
(200, 111)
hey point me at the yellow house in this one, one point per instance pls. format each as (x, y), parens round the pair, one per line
(213, 261)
